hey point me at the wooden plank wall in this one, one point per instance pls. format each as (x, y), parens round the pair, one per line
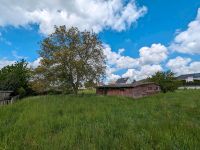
(135, 92)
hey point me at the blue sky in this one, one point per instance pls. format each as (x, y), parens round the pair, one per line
(151, 35)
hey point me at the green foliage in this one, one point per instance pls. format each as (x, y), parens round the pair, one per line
(22, 92)
(15, 76)
(166, 80)
(69, 58)
(164, 121)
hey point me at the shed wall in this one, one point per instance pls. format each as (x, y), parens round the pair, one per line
(135, 92)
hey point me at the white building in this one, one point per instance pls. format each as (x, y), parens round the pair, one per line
(189, 77)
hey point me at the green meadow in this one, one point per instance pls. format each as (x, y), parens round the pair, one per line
(87, 121)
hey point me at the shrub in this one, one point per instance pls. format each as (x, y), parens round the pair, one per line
(166, 80)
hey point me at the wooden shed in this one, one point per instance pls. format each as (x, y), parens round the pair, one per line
(6, 97)
(135, 90)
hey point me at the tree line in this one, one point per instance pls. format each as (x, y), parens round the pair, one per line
(69, 59)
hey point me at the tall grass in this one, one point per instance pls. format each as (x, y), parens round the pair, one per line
(165, 121)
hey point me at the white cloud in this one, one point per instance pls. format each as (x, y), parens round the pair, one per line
(180, 65)
(4, 62)
(118, 60)
(142, 73)
(137, 68)
(154, 54)
(110, 76)
(85, 14)
(35, 63)
(188, 40)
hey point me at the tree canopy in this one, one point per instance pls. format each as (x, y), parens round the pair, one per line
(71, 58)
(15, 77)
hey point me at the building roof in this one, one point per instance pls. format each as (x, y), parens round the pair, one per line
(185, 76)
(135, 84)
(6, 91)
(121, 81)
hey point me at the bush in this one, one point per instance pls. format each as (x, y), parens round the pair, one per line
(166, 80)
(22, 92)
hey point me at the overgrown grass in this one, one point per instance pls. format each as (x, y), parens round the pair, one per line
(165, 121)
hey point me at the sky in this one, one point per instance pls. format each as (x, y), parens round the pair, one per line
(140, 37)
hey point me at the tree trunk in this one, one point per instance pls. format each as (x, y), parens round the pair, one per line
(75, 89)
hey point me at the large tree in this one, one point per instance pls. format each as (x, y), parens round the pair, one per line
(70, 58)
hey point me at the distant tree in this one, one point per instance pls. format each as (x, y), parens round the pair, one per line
(166, 80)
(90, 84)
(38, 82)
(71, 57)
(15, 77)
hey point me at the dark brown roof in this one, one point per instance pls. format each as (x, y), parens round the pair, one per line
(126, 85)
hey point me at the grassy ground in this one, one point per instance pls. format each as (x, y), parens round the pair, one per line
(165, 121)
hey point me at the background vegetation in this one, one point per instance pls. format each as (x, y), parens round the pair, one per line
(166, 80)
(163, 121)
(16, 78)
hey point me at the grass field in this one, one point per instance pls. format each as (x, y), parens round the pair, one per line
(164, 121)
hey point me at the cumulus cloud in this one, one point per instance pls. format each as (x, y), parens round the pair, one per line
(110, 75)
(117, 60)
(154, 54)
(85, 14)
(142, 73)
(180, 65)
(137, 68)
(188, 40)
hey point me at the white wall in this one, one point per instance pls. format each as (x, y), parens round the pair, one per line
(189, 87)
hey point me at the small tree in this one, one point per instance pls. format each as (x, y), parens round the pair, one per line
(71, 57)
(15, 77)
(166, 80)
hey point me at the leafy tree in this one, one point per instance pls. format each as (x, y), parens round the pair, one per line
(15, 77)
(166, 80)
(71, 57)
